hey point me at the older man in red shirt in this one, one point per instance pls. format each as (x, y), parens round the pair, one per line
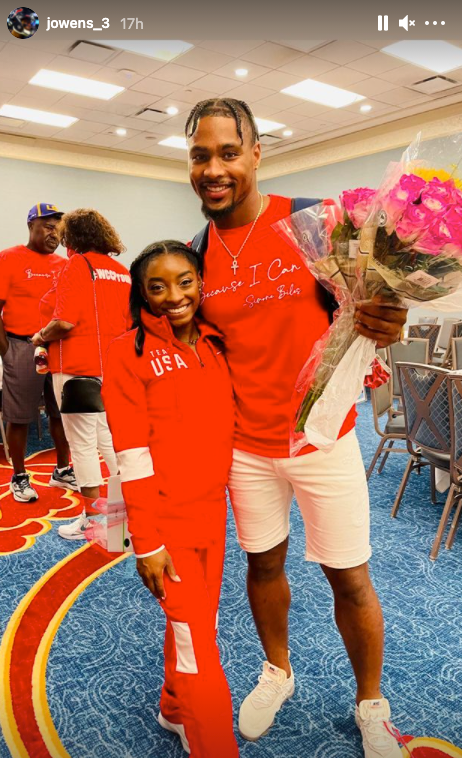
(26, 273)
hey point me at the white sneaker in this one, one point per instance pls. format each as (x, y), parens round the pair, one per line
(177, 729)
(373, 720)
(22, 489)
(76, 529)
(258, 710)
(65, 479)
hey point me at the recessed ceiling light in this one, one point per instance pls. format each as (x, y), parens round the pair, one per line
(78, 85)
(178, 142)
(365, 108)
(38, 117)
(241, 71)
(121, 132)
(434, 55)
(324, 94)
(161, 49)
(265, 125)
(172, 110)
(287, 133)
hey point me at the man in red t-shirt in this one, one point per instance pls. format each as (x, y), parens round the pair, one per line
(267, 305)
(27, 272)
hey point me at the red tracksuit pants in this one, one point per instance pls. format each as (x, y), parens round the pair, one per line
(195, 692)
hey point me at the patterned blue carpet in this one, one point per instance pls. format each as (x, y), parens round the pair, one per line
(105, 665)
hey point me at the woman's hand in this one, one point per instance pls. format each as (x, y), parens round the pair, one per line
(37, 339)
(151, 570)
(380, 321)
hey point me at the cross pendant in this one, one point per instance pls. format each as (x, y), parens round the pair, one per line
(234, 266)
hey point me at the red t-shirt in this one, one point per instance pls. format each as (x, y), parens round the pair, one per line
(75, 303)
(25, 277)
(270, 316)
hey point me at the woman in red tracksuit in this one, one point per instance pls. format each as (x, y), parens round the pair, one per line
(169, 403)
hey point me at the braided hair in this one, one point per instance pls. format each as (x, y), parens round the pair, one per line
(137, 272)
(227, 107)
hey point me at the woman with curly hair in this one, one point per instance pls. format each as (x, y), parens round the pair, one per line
(87, 309)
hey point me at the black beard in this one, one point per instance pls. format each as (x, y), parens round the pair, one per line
(215, 215)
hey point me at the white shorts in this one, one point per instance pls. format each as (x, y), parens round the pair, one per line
(88, 435)
(331, 492)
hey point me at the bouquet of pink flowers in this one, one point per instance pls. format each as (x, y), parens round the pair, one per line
(402, 242)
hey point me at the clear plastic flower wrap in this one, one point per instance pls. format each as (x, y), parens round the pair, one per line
(402, 243)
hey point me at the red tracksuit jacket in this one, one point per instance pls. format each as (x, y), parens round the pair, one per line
(171, 417)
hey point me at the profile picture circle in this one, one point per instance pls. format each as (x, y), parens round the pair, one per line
(22, 23)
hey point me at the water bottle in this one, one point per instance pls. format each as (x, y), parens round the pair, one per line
(41, 360)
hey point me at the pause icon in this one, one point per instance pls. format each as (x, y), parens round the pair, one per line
(382, 23)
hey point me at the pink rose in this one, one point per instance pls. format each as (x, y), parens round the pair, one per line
(438, 195)
(415, 219)
(405, 192)
(443, 236)
(357, 204)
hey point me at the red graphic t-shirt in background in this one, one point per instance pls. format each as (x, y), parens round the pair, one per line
(270, 316)
(75, 303)
(25, 277)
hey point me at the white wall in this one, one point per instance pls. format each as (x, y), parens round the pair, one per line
(142, 210)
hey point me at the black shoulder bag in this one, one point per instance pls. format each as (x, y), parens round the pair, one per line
(82, 394)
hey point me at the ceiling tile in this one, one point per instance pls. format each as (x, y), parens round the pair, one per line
(183, 107)
(402, 96)
(216, 84)
(272, 55)
(288, 117)
(249, 92)
(56, 46)
(373, 86)
(205, 60)
(46, 96)
(231, 47)
(191, 95)
(113, 76)
(305, 109)
(275, 102)
(154, 86)
(172, 72)
(22, 64)
(342, 51)
(36, 102)
(40, 130)
(276, 80)
(341, 77)
(307, 66)
(139, 63)
(11, 123)
(140, 142)
(73, 66)
(302, 45)
(313, 125)
(405, 75)
(86, 51)
(11, 85)
(84, 128)
(374, 64)
(253, 69)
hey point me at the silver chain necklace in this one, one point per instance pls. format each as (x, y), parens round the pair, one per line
(235, 256)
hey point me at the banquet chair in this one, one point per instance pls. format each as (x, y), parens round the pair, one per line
(428, 320)
(451, 328)
(457, 353)
(426, 331)
(455, 492)
(426, 416)
(382, 403)
(413, 350)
